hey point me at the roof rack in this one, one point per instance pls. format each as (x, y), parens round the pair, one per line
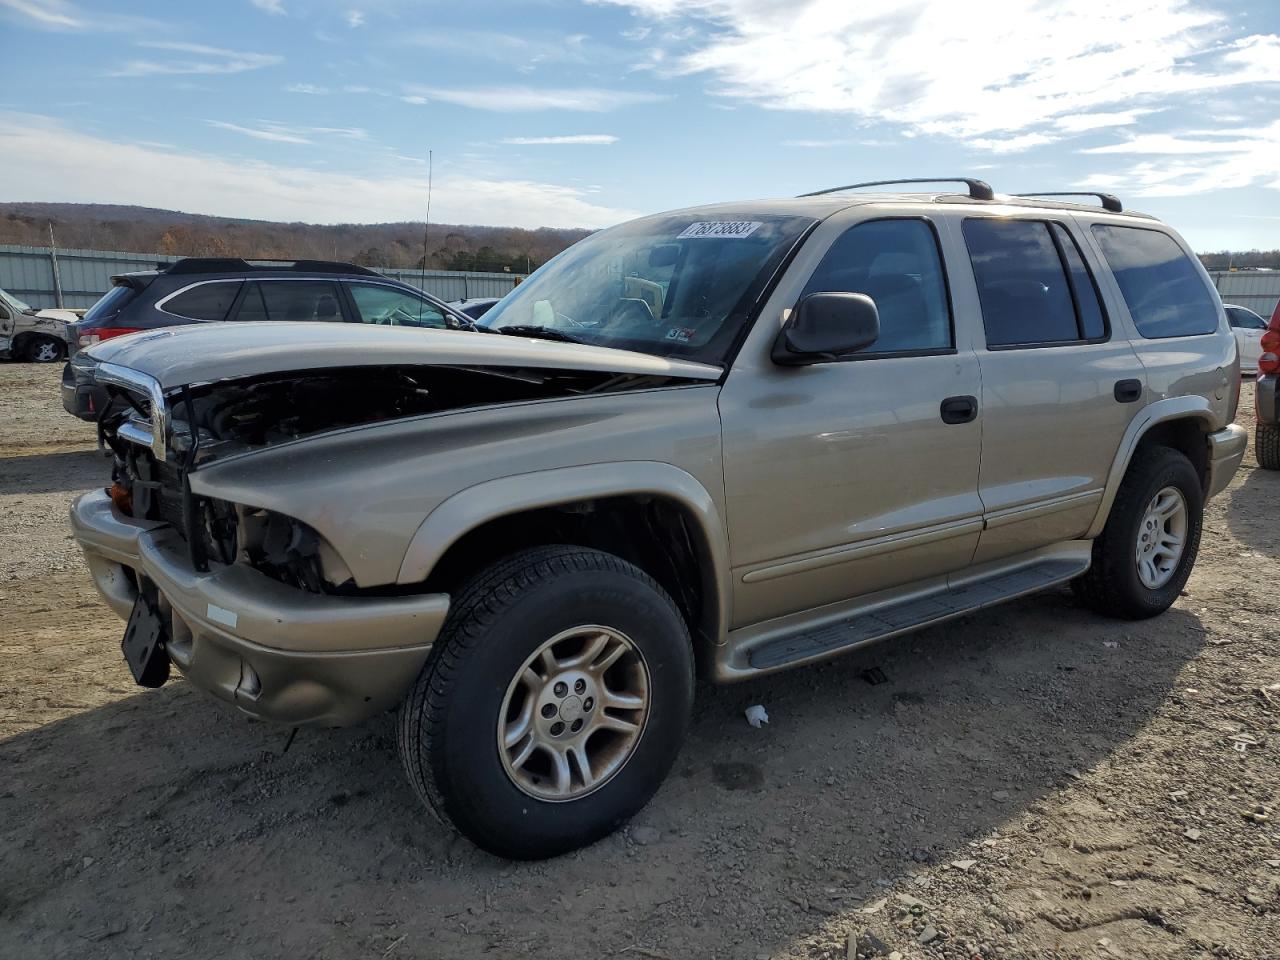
(1109, 201)
(238, 265)
(978, 189)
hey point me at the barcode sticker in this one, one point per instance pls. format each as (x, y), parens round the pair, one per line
(721, 229)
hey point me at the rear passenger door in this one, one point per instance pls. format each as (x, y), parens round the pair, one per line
(292, 300)
(1058, 388)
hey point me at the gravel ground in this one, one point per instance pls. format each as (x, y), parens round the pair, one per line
(1034, 781)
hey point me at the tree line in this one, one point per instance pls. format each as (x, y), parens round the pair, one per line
(147, 230)
(448, 246)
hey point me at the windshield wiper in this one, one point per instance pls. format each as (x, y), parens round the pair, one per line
(533, 330)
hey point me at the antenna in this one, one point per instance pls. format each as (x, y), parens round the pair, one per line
(426, 231)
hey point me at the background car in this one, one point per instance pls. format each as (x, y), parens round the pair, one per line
(211, 290)
(476, 307)
(37, 336)
(1248, 328)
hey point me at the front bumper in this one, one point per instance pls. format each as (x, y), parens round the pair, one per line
(274, 652)
(1226, 450)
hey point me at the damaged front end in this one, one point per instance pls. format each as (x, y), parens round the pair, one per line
(159, 439)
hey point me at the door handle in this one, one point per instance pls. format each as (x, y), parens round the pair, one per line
(959, 409)
(1127, 391)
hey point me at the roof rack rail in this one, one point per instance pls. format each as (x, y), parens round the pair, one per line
(1109, 201)
(239, 265)
(978, 189)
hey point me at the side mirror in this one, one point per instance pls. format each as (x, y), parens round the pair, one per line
(826, 326)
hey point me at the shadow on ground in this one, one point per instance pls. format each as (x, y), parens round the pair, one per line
(1253, 507)
(165, 825)
(53, 472)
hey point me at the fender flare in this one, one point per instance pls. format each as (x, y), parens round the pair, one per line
(469, 508)
(1157, 412)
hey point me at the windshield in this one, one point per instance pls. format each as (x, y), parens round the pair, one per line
(17, 304)
(674, 286)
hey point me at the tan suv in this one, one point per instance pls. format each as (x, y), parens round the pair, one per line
(737, 438)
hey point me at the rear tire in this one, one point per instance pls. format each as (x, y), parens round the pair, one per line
(1266, 446)
(1135, 573)
(500, 667)
(43, 349)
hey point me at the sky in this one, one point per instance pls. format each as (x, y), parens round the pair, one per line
(582, 114)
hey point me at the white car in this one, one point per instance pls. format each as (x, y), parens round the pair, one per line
(1248, 328)
(37, 336)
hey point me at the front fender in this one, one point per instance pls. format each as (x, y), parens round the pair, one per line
(468, 509)
(1160, 411)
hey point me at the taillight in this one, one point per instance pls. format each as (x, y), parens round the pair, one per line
(91, 335)
(1270, 341)
(1269, 363)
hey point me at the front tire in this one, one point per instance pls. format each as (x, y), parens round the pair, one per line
(553, 703)
(43, 349)
(1266, 446)
(1147, 549)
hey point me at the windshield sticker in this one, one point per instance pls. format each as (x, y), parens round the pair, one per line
(680, 334)
(720, 229)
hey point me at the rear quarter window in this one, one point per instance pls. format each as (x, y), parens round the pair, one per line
(1164, 291)
(204, 301)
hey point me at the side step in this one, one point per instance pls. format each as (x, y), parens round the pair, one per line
(863, 628)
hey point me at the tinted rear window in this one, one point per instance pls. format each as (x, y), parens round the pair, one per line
(112, 302)
(1161, 286)
(205, 301)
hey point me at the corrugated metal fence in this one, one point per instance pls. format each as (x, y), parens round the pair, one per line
(1259, 290)
(34, 275)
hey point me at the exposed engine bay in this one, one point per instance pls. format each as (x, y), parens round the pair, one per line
(212, 421)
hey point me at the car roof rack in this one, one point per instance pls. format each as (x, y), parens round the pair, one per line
(1109, 201)
(239, 265)
(978, 189)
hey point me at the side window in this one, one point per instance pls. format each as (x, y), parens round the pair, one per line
(1093, 324)
(205, 301)
(897, 264)
(1026, 299)
(1245, 319)
(1161, 286)
(390, 306)
(295, 300)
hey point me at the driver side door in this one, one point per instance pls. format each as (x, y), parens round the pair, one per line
(848, 477)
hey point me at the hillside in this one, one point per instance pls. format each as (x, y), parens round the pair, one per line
(147, 230)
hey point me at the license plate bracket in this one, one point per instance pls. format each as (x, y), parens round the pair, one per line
(143, 644)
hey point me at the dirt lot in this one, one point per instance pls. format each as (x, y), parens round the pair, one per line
(1032, 782)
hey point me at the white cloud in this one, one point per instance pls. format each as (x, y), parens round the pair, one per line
(1198, 161)
(46, 161)
(1084, 122)
(280, 133)
(577, 138)
(520, 99)
(204, 60)
(50, 14)
(937, 67)
(1010, 144)
(355, 19)
(309, 88)
(416, 100)
(275, 7)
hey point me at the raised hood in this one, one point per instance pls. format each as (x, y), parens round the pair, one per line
(209, 353)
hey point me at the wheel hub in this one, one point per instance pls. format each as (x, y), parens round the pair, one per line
(574, 713)
(1162, 538)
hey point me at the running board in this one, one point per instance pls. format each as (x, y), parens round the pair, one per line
(887, 621)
